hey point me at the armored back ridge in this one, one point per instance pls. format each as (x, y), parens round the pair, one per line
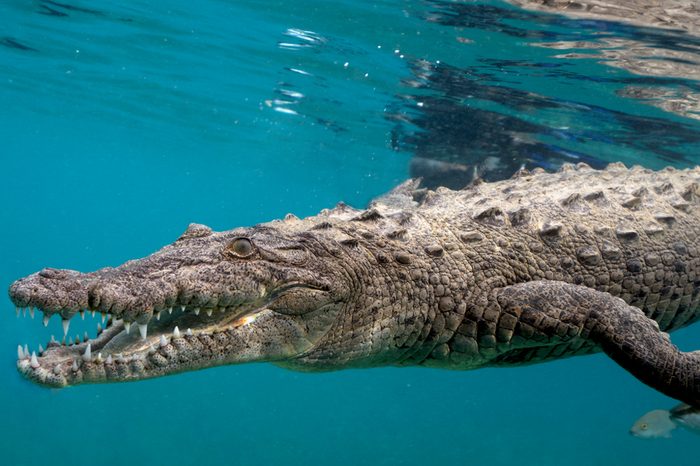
(537, 267)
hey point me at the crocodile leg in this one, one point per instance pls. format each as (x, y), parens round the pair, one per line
(552, 312)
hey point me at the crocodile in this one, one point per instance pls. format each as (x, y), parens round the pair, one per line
(531, 269)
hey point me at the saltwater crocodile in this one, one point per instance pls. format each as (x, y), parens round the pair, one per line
(538, 267)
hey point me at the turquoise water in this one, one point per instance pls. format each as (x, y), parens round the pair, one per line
(123, 122)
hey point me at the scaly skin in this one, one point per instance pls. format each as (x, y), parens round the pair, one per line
(538, 267)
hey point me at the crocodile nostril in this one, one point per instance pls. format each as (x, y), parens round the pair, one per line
(93, 299)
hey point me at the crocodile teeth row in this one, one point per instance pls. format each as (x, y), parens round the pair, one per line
(106, 315)
(64, 322)
(29, 361)
(143, 331)
(143, 328)
(24, 353)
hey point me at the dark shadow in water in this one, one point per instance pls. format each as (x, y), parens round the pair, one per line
(48, 11)
(15, 44)
(464, 120)
(52, 8)
(558, 71)
(446, 129)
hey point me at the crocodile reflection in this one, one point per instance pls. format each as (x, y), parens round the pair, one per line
(479, 120)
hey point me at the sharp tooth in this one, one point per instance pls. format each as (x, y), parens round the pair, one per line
(88, 353)
(82, 315)
(104, 316)
(46, 320)
(99, 357)
(182, 308)
(120, 357)
(85, 337)
(99, 328)
(196, 311)
(66, 326)
(189, 332)
(109, 359)
(209, 312)
(143, 330)
(41, 350)
(74, 366)
(56, 370)
(163, 341)
(92, 313)
(24, 312)
(70, 341)
(53, 339)
(158, 316)
(20, 352)
(31, 312)
(222, 309)
(33, 362)
(127, 327)
(26, 351)
(176, 332)
(170, 310)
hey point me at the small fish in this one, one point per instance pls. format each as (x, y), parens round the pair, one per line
(659, 423)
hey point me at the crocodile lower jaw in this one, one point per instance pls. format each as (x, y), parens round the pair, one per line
(120, 346)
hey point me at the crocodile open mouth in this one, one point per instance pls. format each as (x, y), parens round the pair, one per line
(206, 300)
(122, 348)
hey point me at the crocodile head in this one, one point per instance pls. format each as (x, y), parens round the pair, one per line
(210, 298)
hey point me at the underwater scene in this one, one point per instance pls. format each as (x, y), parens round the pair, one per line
(126, 126)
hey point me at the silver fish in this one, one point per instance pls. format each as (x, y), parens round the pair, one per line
(659, 423)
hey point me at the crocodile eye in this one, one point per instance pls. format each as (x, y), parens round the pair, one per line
(241, 247)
